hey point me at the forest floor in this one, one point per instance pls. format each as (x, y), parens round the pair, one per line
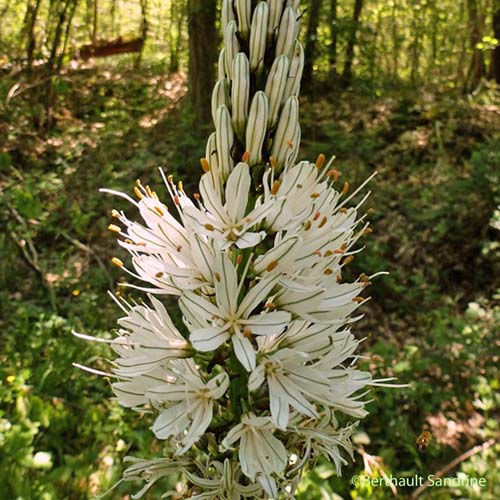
(433, 322)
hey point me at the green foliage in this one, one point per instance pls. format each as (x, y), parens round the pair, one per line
(433, 322)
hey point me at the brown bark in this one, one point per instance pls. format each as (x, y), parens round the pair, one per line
(476, 68)
(30, 20)
(202, 56)
(111, 47)
(351, 42)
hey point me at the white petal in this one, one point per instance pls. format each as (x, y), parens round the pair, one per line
(269, 484)
(199, 306)
(211, 199)
(208, 339)
(256, 295)
(279, 411)
(283, 253)
(171, 421)
(226, 284)
(244, 351)
(238, 185)
(256, 378)
(271, 323)
(279, 387)
(218, 385)
(249, 240)
(201, 418)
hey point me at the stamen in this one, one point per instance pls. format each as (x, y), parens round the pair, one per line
(316, 216)
(247, 333)
(275, 188)
(217, 276)
(115, 229)
(115, 213)
(323, 222)
(328, 271)
(358, 299)
(345, 189)
(246, 156)
(348, 260)
(159, 274)
(138, 193)
(315, 195)
(307, 225)
(209, 227)
(205, 165)
(159, 211)
(334, 174)
(117, 262)
(273, 162)
(320, 160)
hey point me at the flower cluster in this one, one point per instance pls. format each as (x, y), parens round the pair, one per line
(251, 386)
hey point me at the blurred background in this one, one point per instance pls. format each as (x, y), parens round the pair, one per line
(97, 93)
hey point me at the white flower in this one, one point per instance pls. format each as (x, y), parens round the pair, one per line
(225, 484)
(260, 453)
(164, 252)
(325, 439)
(228, 223)
(291, 383)
(191, 407)
(147, 339)
(227, 318)
(150, 471)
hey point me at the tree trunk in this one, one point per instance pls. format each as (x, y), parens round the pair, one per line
(495, 53)
(332, 52)
(202, 56)
(311, 41)
(476, 68)
(351, 42)
(30, 19)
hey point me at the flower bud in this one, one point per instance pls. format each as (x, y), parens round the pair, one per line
(258, 36)
(286, 131)
(220, 96)
(292, 87)
(226, 14)
(232, 47)
(275, 10)
(240, 89)
(244, 13)
(256, 127)
(275, 87)
(224, 138)
(287, 32)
